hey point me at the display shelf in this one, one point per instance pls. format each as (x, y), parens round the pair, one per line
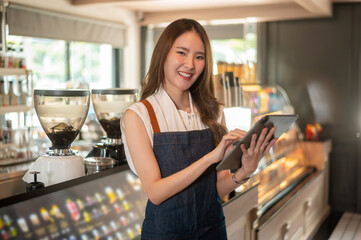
(15, 138)
(13, 71)
(271, 158)
(8, 175)
(11, 109)
(266, 99)
(14, 161)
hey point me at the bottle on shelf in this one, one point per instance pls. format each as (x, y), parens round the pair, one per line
(1, 135)
(4, 94)
(2, 91)
(12, 96)
(22, 63)
(9, 58)
(8, 132)
(28, 91)
(2, 57)
(16, 55)
(22, 95)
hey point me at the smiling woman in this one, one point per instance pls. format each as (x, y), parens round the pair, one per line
(180, 127)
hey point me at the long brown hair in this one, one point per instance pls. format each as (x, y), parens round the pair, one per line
(202, 90)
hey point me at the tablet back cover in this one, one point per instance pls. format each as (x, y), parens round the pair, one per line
(282, 122)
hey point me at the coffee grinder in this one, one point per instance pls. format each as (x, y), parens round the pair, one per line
(61, 114)
(109, 106)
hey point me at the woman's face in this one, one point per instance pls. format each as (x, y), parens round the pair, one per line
(184, 63)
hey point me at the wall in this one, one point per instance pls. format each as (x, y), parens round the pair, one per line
(317, 63)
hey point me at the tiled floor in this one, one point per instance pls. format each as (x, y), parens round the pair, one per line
(348, 227)
(328, 226)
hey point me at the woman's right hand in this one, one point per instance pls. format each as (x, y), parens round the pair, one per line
(225, 146)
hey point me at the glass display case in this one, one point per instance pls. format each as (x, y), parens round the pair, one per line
(285, 165)
(261, 100)
(105, 205)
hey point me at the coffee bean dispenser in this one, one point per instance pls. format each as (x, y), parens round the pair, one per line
(61, 114)
(109, 106)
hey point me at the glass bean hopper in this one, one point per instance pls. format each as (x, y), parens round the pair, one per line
(109, 106)
(61, 114)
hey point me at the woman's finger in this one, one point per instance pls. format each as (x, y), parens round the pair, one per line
(230, 137)
(238, 133)
(271, 143)
(268, 138)
(270, 133)
(243, 148)
(253, 142)
(261, 138)
(241, 132)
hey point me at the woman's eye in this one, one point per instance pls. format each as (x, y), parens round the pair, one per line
(201, 57)
(181, 52)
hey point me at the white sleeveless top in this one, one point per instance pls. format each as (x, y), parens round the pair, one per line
(170, 119)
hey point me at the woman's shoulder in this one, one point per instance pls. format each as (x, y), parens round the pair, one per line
(136, 106)
(140, 108)
(141, 105)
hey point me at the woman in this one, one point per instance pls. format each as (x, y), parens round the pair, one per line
(170, 135)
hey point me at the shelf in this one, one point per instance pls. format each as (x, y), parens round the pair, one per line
(5, 176)
(11, 109)
(12, 71)
(14, 161)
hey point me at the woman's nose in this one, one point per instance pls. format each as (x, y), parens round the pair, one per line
(189, 62)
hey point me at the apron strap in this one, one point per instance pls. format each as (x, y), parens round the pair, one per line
(153, 118)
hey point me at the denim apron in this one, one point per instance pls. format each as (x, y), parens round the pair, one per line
(196, 212)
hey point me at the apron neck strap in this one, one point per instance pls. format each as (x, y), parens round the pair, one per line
(153, 118)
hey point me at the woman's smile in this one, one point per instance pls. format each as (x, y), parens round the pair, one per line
(184, 75)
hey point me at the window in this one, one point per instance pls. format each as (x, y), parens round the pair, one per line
(229, 51)
(91, 63)
(60, 64)
(237, 55)
(46, 58)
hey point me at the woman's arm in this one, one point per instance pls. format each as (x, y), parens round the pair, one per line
(159, 189)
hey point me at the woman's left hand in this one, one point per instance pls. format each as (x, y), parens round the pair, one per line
(258, 149)
(238, 134)
(225, 145)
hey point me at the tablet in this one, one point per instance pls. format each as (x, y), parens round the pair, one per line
(282, 123)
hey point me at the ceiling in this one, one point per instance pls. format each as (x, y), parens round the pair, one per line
(153, 12)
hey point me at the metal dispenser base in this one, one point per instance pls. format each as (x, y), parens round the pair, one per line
(108, 150)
